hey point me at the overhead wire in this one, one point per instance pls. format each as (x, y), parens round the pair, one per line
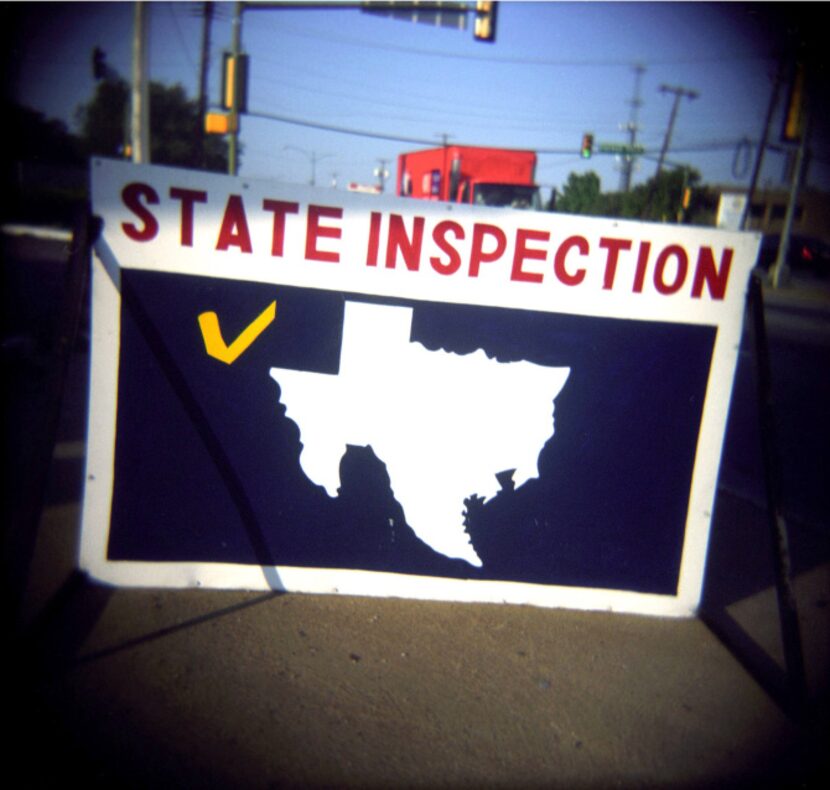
(180, 34)
(288, 118)
(528, 124)
(490, 58)
(717, 145)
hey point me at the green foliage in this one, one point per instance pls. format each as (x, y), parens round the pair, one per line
(104, 121)
(46, 167)
(43, 169)
(660, 199)
(581, 195)
(176, 136)
(35, 138)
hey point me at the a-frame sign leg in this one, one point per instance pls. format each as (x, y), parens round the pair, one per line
(788, 687)
(22, 530)
(787, 607)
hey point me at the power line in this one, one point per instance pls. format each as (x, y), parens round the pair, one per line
(430, 142)
(611, 62)
(180, 35)
(703, 147)
(340, 129)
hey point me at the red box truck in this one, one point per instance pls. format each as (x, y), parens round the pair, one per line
(470, 174)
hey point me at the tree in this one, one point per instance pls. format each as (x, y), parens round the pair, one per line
(37, 138)
(581, 195)
(175, 124)
(104, 121)
(659, 199)
(43, 169)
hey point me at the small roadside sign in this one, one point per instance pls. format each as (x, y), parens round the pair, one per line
(731, 209)
(621, 148)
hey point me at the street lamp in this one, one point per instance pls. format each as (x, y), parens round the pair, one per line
(312, 157)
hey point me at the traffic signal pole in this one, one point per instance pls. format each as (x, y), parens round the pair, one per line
(780, 267)
(204, 64)
(762, 146)
(484, 30)
(236, 49)
(140, 94)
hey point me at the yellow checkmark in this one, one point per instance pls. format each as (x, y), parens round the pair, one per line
(214, 343)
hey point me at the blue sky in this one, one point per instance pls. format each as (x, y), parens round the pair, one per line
(555, 71)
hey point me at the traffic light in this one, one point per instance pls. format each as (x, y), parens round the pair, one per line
(484, 28)
(793, 117)
(235, 79)
(221, 123)
(587, 146)
(99, 63)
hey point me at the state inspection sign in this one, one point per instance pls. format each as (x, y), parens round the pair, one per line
(321, 391)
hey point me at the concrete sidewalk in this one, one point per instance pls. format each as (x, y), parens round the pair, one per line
(225, 689)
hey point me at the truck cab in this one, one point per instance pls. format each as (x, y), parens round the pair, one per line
(484, 193)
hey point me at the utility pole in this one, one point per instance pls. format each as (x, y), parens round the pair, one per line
(140, 93)
(444, 188)
(632, 127)
(382, 174)
(312, 158)
(762, 146)
(236, 49)
(679, 93)
(313, 181)
(207, 20)
(795, 187)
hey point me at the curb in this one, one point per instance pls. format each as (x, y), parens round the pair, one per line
(804, 300)
(52, 234)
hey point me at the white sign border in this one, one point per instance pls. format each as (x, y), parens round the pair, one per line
(105, 344)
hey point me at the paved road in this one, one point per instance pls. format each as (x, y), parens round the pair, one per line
(230, 689)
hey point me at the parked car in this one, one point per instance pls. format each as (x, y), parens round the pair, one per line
(804, 254)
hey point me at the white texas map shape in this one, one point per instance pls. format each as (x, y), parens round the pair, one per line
(444, 424)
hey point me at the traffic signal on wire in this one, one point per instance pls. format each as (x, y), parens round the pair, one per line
(587, 146)
(235, 81)
(484, 28)
(794, 116)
